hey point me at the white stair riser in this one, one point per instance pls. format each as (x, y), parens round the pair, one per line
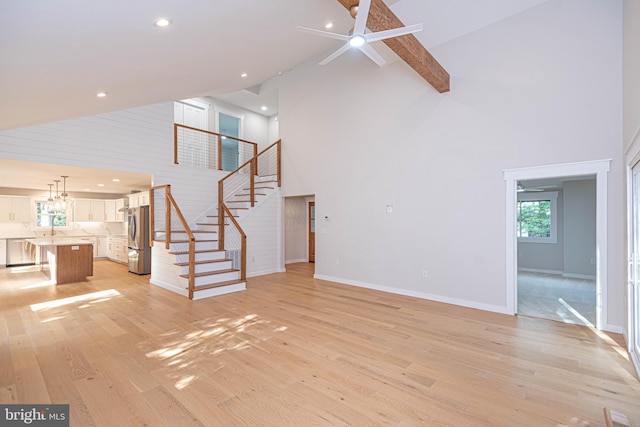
(200, 246)
(201, 256)
(217, 278)
(208, 227)
(207, 268)
(198, 236)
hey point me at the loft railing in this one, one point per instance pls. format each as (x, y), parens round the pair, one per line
(166, 219)
(205, 149)
(240, 185)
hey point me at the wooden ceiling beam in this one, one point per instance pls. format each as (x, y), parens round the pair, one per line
(407, 47)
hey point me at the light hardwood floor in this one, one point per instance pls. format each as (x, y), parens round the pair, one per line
(294, 351)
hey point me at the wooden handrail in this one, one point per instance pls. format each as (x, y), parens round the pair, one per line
(254, 172)
(177, 125)
(170, 203)
(243, 243)
(192, 245)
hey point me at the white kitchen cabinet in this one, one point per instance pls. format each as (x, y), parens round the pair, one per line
(101, 251)
(117, 249)
(139, 199)
(89, 210)
(119, 212)
(112, 211)
(15, 209)
(3, 253)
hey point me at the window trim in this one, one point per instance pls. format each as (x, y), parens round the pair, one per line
(34, 216)
(540, 196)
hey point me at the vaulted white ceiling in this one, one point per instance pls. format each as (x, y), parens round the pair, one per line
(57, 54)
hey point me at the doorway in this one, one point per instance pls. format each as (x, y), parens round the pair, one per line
(196, 151)
(556, 246)
(230, 125)
(299, 222)
(634, 269)
(312, 231)
(600, 170)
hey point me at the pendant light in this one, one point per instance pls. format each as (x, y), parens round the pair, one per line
(57, 198)
(64, 191)
(49, 205)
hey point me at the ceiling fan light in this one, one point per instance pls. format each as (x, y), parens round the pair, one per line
(357, 40)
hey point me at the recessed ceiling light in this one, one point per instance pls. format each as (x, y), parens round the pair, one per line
(263, 108)
(87, 189)
(162, 22)
(115, 180)
(243, 75)
(100, 185)
(328, 25)
(101, 94)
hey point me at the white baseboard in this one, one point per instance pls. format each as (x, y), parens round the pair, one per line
(214, 292)
(263, 272)
(579, 276)
(539, 270)
(170, 287)
(422, 295)
(291, 261)
(558, 273)
(613, 328)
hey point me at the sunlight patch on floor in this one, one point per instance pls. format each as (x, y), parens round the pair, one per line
(88, 298)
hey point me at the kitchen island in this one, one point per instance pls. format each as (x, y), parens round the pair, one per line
(65, 260)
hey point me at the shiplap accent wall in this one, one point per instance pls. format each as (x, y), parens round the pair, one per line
(263, 226)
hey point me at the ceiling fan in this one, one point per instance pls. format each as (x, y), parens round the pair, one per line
(523, 189)
(359, 38)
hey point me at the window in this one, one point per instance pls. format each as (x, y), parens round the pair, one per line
(537, 219)
(46, 216)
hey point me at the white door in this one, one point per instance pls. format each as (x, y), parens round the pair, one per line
(634, 270)
(195, 149)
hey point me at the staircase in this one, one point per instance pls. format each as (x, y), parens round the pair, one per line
(209, 258)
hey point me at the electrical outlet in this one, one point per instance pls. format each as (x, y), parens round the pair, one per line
(425, 274)
(593, 261)
(337, 262)
(253, 259)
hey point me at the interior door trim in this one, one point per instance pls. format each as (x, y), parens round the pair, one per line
(599, 168)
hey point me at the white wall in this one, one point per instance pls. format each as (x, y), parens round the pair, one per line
(580, 228)
(525, 92)
(262, 226)
(631, 70)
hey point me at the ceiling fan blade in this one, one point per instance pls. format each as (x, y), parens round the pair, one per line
(372, 54)
(323, 33)
(362, 16)
(335, 54)
(396, 32)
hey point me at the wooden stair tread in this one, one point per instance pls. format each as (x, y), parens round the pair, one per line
(218, 285)
(261, 187)
(211, 273)
(201, 251)
(210, 261)
(197, 241)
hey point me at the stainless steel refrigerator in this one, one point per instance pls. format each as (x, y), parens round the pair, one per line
(139, 249)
